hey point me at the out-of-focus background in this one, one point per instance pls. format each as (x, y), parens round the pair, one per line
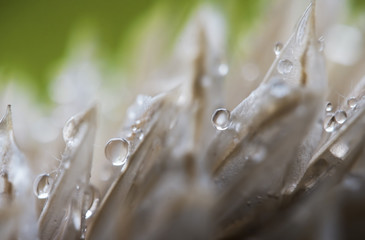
(37, 37)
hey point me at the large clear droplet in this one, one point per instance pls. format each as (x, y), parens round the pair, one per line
(277, 48)
(221, 119)
(285, 66)
(329, 123)
(42, 186)
(352, 102)
(329, 107)
(116, 151)
(340, 116)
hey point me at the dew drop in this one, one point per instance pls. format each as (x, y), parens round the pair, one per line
(277, 48)
(285, 66)
(223, 69)
(279, 88)
(221, 119)
(42, 186)
(91, 201)
(73, 130)
(329, 107)
(141, 136)
(69, 131)
(329, 123)
(352, 102)
(339, 149)
(116, 151)
(340, 116)
(5, 185)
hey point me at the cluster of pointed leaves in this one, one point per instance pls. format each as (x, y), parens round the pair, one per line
(267, 170)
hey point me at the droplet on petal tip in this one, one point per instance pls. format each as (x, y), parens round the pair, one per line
(221, 119)
(277, 48)
(42, 185)
(340, 116)
(117, 150)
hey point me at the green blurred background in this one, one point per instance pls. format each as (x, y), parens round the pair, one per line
(34, 35)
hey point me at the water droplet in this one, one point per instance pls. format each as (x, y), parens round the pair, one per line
(279, 88)
(141, 136)
(257, 153)
(91, 201)
(329, 107)
(277, 48)
(340, 116)
(339, 149)
(221, 119)
(321, 44)
(116, 151)
(352, 102)
(66, 164)
(329, 123)
(223, 69)
(285, 66)
(42, 186)
(73, 130)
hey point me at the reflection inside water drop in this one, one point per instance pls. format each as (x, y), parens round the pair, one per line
(340, 116)
(42, 186)
(221, 119)
(116, 151)
(285, 66)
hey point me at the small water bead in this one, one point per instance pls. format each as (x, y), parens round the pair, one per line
(221, 119)
(223, 69)
(352, 102)
(284, 66)
(42, 186)
(277, 48)
(117, 150)
(329, 107)
(329, 124)
(340, 116)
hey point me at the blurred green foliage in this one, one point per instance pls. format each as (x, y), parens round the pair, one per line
(35, 34)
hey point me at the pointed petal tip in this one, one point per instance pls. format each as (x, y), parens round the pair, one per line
(6, 120)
